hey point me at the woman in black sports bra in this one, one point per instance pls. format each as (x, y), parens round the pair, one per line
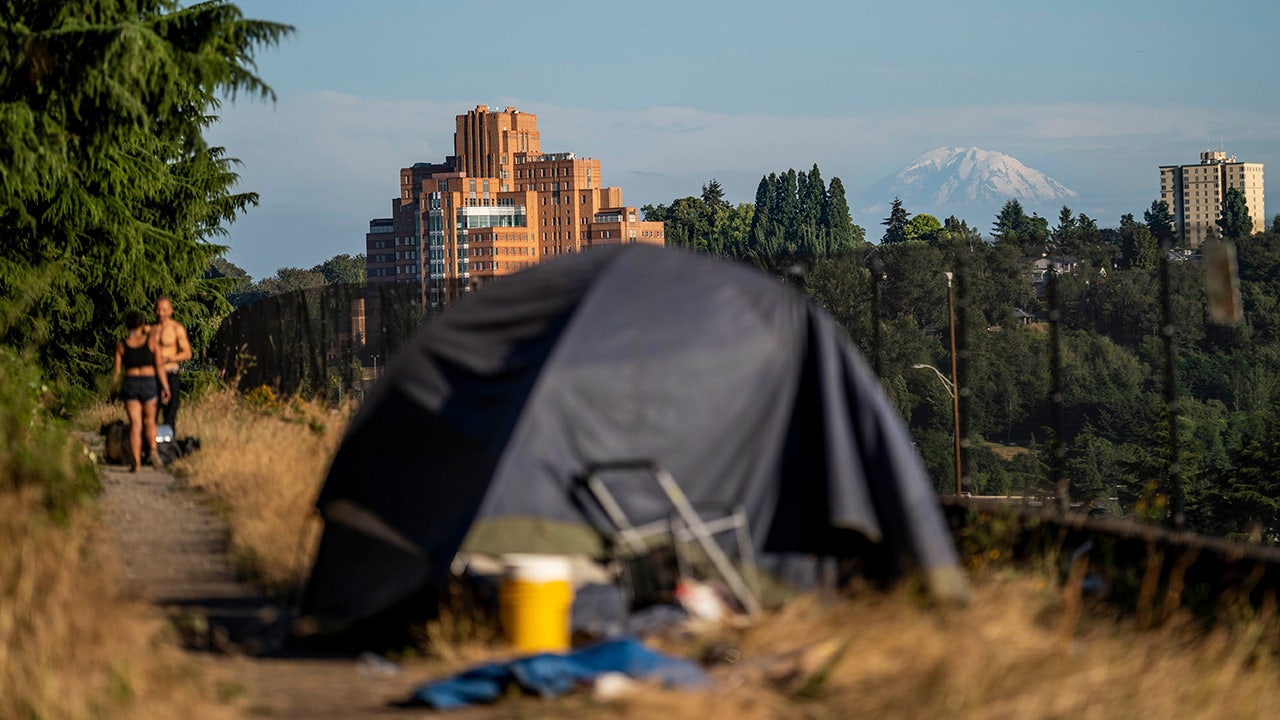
(138, 359)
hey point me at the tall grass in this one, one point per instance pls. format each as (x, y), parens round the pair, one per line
(262, 460)
(69, 647)
(1013, 652)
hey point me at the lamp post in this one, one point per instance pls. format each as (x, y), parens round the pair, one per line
(950, 384)
(375, 368)
(955, 405)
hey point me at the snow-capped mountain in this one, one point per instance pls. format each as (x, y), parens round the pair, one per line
(971, 183)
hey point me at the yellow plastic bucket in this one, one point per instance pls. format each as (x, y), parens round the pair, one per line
(534, 602)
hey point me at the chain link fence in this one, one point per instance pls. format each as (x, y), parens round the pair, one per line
(330, 341)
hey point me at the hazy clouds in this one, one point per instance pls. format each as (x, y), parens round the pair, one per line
(326, 162)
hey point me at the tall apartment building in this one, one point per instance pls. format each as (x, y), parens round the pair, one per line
(1195, 193)
(496, 206)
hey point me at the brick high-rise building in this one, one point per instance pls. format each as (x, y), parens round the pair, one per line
(1195, 194)
(497, 206)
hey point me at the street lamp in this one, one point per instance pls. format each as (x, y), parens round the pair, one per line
(955, 405)
(375, 368)
(951, 385)
(951, 392)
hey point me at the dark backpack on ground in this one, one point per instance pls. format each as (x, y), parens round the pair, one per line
(116, 441)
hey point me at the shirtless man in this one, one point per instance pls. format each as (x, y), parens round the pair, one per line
(171, 338)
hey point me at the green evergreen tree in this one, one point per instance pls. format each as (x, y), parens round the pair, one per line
(1088, 227)
(1234, 221)
(1066, 225)
(845, 235)
(1139, 247)
(109, 194)
(812, 196)
(765, 216)
(787, 206)
(896, 224)
(956, 233)
(1159, 220)
(1012, 224)
(713, 194)
(1250, 500)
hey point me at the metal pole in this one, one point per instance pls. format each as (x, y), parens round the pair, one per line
(1175, 488)
(1058, 452)
(955, 394)
(877, 274)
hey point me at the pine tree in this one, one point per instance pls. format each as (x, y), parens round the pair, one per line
(1139, 247)
(764, 219)
(787, 206)
(1234, 220)
(1011, 226)
(713, 194)
(109, 195)
(1159, 221)
(837, 221)
(896, 223)
(812, 195)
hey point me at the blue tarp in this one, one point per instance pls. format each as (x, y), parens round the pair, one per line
(552, 674)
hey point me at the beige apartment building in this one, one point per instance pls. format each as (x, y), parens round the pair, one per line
(1195, 193)
(496, 206)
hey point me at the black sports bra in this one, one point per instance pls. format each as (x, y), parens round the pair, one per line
(138, 357)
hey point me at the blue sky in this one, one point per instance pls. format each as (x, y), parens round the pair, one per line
(670, 94)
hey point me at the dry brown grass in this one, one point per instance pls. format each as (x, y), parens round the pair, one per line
(263, 462)
(1023, 648)
(69, 648)
(1011, 653)
(1007, 452)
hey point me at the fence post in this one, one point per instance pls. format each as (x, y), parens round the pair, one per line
(1171, 386)
(1058, 450)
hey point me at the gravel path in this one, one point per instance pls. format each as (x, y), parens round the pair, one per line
(174, 551)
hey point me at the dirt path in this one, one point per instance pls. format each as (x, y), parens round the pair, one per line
(173, 549)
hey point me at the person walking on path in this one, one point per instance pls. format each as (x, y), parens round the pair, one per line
(138, 361)
(174, 349)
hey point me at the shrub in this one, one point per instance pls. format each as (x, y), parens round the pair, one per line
(37, 451)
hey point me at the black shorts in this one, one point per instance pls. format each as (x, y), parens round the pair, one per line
(143, 388)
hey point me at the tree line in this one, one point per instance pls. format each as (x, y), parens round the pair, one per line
(796, 214)
(892, 298)
(240, 289)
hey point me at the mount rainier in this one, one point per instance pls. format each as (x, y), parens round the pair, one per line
(970, 183)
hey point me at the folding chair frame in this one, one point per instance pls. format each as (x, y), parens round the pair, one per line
(686, 524)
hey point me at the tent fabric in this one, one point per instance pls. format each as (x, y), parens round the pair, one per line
(741, 387)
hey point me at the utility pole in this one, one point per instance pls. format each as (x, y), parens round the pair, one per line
(955, 393)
